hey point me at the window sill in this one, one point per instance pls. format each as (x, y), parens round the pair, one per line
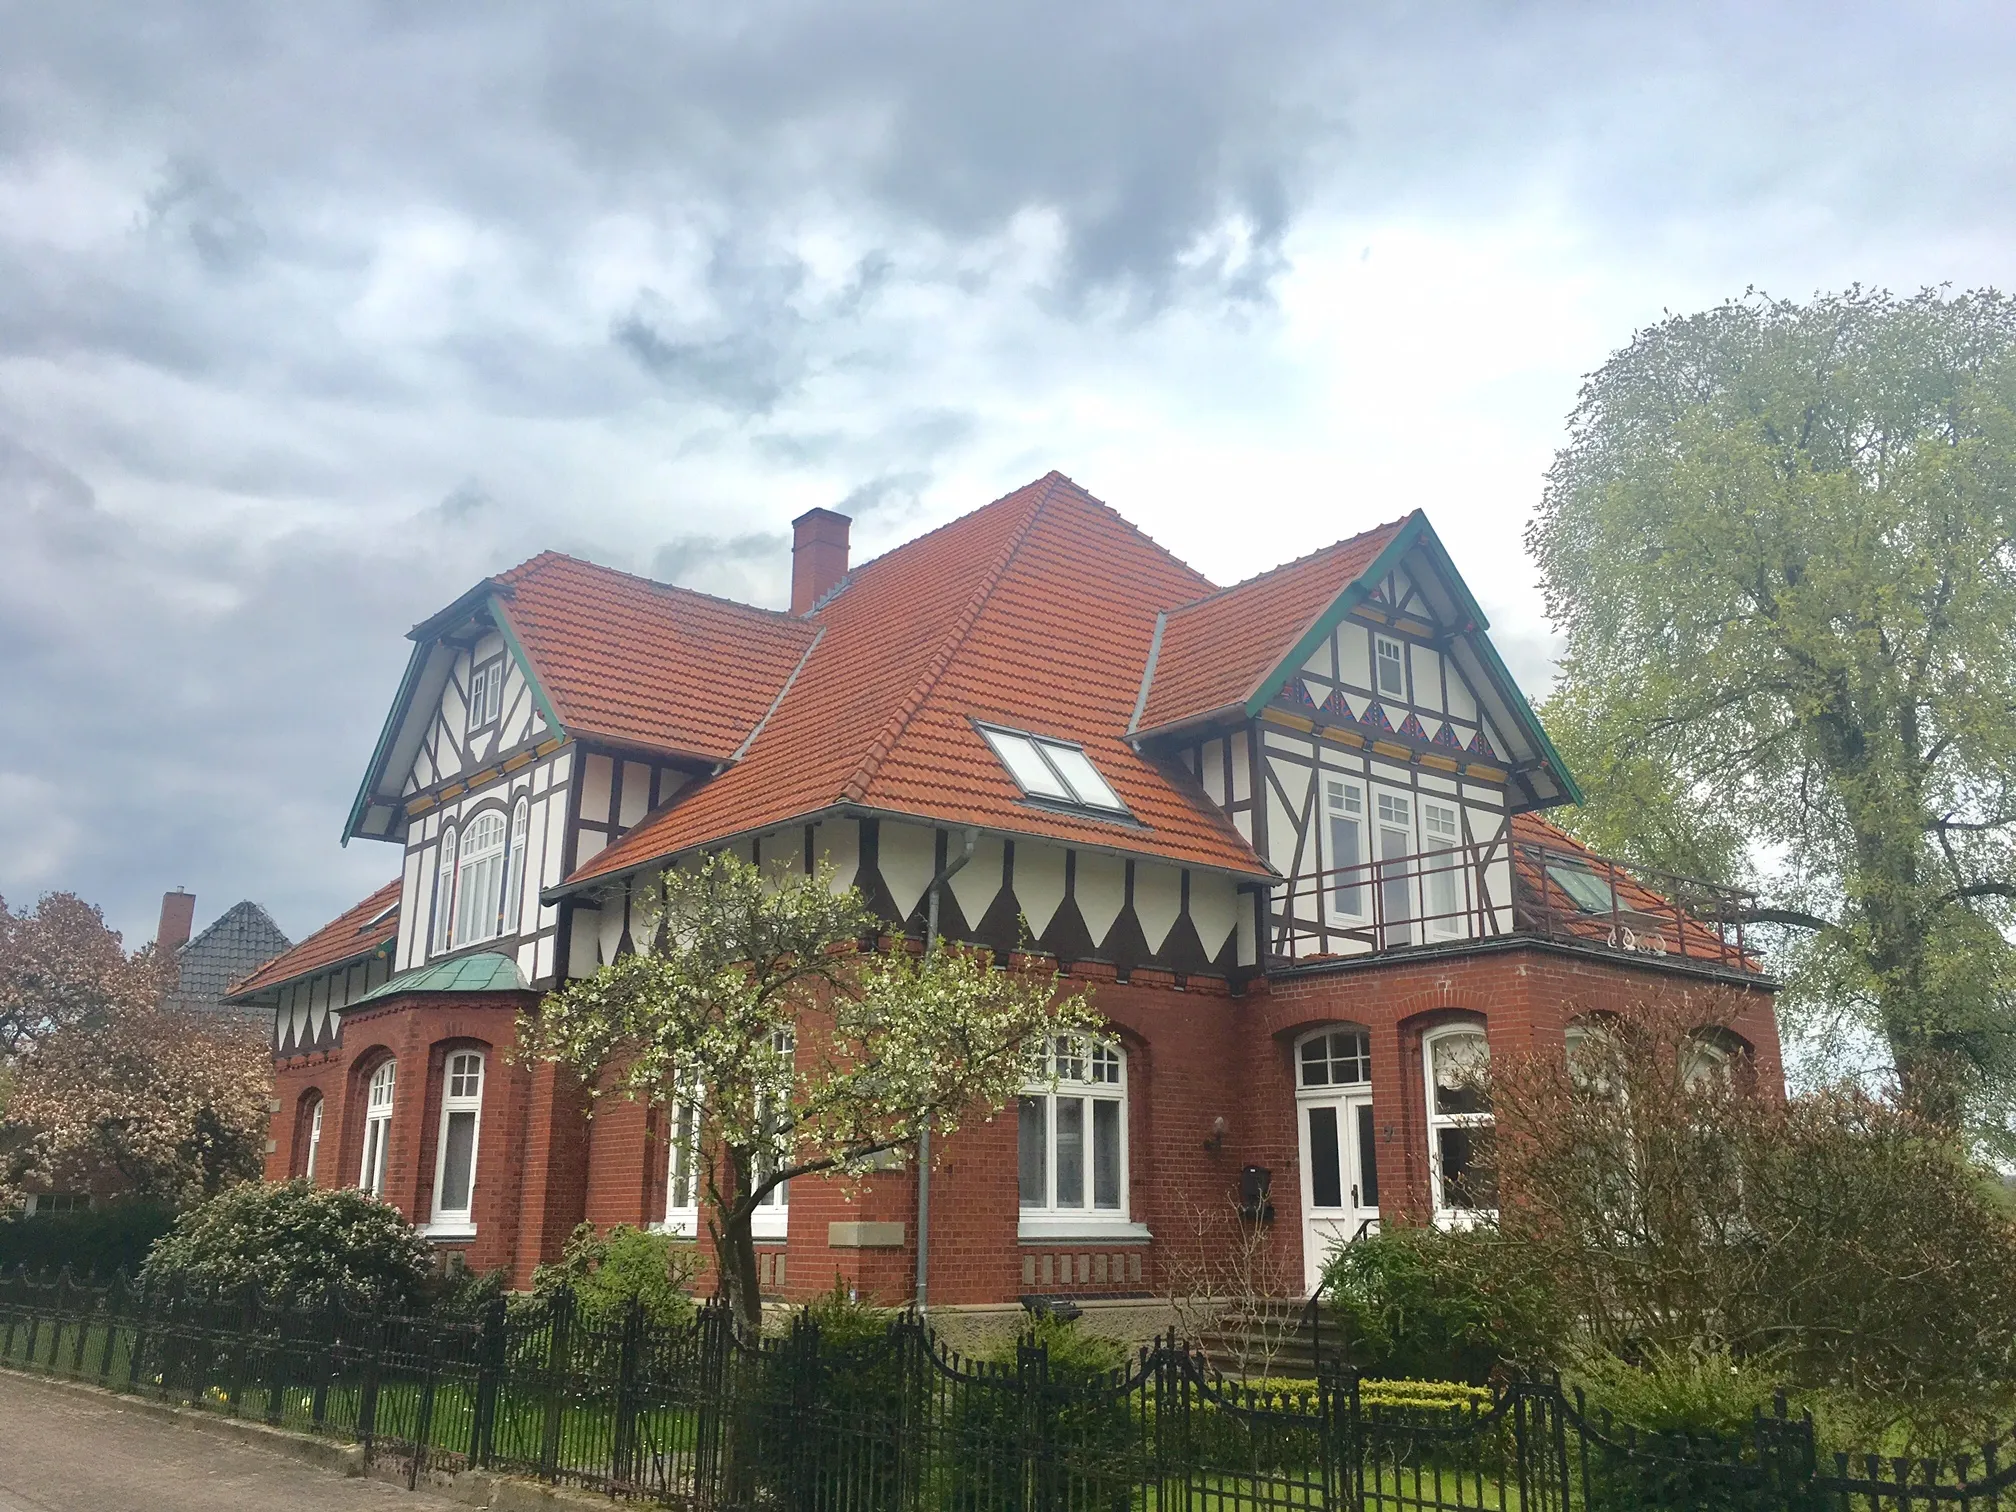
(773, 1232)
(1057, 1228)
(446, 1230)
(687, 1229)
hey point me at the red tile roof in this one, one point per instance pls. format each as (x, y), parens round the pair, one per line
(1036, 613)
(1216, 650)
(358, 932)
(643, 664)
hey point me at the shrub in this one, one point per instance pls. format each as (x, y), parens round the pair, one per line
(606, 1271)
(1430, 1304)
(95, 1242)
(1699, 1391)
(298, 1244)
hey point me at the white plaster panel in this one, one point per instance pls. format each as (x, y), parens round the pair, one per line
(976, 884)
(1435, 782)
(1280, 832)
(636, 793)
(1242, 770)
(908, 855)
(1354, 653)
(1249, 949)
(1402, 586)
(563, 765)
(556, 824)
(591, 843)
(1293, 775)
(543, 966)
(1214, 909)
(517, 718)
(597, 775)
(1427, 666)
(1039, 883)
(784, 854)
(1213, 774)
(541, 775)
(1243, 822)
(1100, 888)
(838, 844)
(581, 944)
(528, 960)
(1462, 702)
(412, 909)
(1158, 900)
(297, 1028)
(535, 866)
(489, 644)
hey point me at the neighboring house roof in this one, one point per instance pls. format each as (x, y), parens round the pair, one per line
(354, 935)
(636, 663)
(1035, 612)
(209, 962)
(1217, 652)
(484, 972)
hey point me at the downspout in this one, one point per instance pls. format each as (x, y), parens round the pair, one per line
(945, 873)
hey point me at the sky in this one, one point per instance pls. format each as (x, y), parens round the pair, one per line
(311, 316)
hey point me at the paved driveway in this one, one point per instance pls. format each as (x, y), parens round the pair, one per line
(65, 1452)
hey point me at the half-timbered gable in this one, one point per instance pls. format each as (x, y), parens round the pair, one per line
(306, 986)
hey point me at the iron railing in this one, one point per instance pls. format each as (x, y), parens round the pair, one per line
(1497, 888)
(887, 1419)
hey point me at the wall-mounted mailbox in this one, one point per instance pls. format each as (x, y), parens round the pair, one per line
(1256, 1186)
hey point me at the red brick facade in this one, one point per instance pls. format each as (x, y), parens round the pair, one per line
(1196, 1053)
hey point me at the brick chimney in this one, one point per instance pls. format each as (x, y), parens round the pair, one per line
(178, 915)
(818, 556)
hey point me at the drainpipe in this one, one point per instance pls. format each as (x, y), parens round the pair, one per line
(945, 872)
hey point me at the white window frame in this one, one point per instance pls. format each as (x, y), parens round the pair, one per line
(1053, 771)
(1324, 1036)
(1379, 644)
(1344, 803)
(1446, 1215)
(682, 1211)
(1442, 917)
(379, 1094)
(1088, 1072)
(314, 1139)
(486, 693)
(457, 1069)
(444, 891)
(479, 877)
(511, 896)
(771, 1221)
(1404, 930)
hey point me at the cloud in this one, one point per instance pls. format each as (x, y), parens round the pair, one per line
(312, 316)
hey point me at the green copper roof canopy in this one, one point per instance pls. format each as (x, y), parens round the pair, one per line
(484, 972)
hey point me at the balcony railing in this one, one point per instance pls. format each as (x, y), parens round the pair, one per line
(1502, 888)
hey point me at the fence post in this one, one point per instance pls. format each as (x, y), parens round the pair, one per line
(87, 1309)
(63, 1287)
(424, 1429)
(559, 1344)
(115, 1295)
(332, 1358)
(624, 1469)
(241, 1346)
(367, 1399)
(279, 1375)
(489, 1381)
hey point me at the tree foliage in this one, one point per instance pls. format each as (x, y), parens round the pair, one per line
(100, 1077)
(1678, 1205)
(803, 1054)
(607, 1272)
(1782, 544)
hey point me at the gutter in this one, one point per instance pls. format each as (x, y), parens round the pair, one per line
(945, 874)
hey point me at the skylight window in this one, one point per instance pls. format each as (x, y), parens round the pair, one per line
(1589, 892)
(1053, 770)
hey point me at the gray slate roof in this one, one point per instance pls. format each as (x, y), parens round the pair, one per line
(243, 936)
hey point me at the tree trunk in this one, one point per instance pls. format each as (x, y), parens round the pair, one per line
(735, 1247)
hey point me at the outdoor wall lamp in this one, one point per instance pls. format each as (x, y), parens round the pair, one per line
(1217, 1140)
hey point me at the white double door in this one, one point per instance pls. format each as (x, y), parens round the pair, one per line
(1340, 1174)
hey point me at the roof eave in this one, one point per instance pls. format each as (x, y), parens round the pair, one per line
(240, 993)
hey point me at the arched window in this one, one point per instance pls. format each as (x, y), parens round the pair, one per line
(455, 1154)
(310, 1137)
(377, 1128)
(1456, 1059)
(1335, 1058)
(444, 892)
(479, 878)
(1072, 1133)
(511, 913)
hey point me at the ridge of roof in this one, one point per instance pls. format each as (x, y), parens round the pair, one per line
(218, 923)
(512, 576)
(855, 787)
(1292, 564)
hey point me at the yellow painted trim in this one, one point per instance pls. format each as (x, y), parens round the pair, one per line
(477, 779)
(419, 805)
(547, 748)
(1292, 721)
(453, 790)
(1414, 627)
(522, 759)
(1343, 736)
(1366, 611)
(1440, 763)
(1387, 748)
(1485, 773)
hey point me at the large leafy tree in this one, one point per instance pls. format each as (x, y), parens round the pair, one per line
(792, 1051)
(61, 964)
(1782, 543)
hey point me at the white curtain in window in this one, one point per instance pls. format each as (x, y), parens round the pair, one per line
(479, 879)
(455, 1160)
(377, 1128)
(444, 893)
(1072, 1133)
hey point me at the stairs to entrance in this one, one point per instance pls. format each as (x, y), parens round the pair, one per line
(1270, 1338)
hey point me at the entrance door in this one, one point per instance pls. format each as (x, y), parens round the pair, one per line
(1340, 1173)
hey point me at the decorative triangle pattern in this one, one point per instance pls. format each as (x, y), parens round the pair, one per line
(1337, 705)
(1447, 736)
(1479, 746)
(1375, 716)
(1411, 727)
(1296, 693)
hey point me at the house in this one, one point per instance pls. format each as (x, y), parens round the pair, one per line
(1292, 834)
(204, 966)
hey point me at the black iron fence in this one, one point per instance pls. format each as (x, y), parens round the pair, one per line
(697, 1416)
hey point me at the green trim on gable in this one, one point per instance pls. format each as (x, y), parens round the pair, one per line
(1418, 532)
(503, 623)
(414, 664)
